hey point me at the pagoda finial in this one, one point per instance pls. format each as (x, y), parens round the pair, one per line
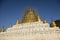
(2, 30)
(39, 20)
(17, 22)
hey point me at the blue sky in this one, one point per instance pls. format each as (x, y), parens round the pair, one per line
(11, 10)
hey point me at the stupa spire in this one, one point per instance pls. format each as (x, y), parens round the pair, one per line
(2, 30)
(30, 15)
(17, 22)
(39, 20)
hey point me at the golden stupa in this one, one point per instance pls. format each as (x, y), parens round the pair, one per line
(44, 21)
(53, 24)
(17, 22)
(2, 30)
(30, 16)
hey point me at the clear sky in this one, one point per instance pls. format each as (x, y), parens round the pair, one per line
(11, 10)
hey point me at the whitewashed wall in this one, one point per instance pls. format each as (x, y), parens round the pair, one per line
(31, 31)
